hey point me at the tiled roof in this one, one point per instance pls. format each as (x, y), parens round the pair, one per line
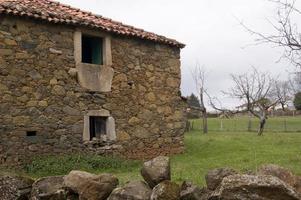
(55, 12)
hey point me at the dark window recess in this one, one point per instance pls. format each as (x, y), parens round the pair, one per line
(97, 127)
(92, 50)
(31, 133)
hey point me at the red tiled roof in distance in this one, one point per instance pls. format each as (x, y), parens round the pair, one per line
(55, 12)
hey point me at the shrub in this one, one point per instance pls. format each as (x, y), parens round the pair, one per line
(297, 101)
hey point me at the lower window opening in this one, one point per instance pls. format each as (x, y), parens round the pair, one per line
(98, 127)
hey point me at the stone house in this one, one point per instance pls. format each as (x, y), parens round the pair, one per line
(72, 81)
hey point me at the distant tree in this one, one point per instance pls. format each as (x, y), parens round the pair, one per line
(297, 101)
(264, 101)
(282, 91)
(295, 82)
(193, 101)
(253, 89)
(198, 75)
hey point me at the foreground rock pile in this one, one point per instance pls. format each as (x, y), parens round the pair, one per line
(270, 183)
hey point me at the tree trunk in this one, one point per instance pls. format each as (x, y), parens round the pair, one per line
(282, 106)
(261, 126)
(205, 125)
(249, 124)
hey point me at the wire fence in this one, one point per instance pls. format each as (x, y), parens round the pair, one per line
(244, 124)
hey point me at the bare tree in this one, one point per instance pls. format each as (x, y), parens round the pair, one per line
(295, 82)
(282, 92)
(286, 33)
(253, 89)
(198, 75)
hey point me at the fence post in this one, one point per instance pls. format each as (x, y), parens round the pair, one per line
(285, 125)
(284, 121)
(201, 125)
(221, 125)
(235, 123)
(188, 126)
(249, 124)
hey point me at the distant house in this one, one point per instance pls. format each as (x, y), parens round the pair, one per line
(72, 81)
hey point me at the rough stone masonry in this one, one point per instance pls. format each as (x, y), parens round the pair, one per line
(46, 105)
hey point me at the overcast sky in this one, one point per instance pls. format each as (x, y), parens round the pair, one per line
(210, 30)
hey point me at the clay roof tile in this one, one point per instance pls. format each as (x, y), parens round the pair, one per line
(56, 12)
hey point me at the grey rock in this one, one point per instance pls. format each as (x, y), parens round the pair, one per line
(76, 128)
(4, 72)
(28, 45)
(146, 115)
(135, 190)
(71, 111)
(97, 190)
(141, 132)
(189, 191)
(15, 187)
(156, 170)
(260, 187)
(214, 177)
(75, 179)
(55, 51)
(73, 72)
(166, 190)
(279, 172)
(49, 188)
(32, 111)
(59, 90)
(90, 186)
(297, 185)
(35, 75)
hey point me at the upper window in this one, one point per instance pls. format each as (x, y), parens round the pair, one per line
(92, 50)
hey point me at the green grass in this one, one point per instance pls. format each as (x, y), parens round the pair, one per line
(240, 150)
(240, 124)
(61, 165)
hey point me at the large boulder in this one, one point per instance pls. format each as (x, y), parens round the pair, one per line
(214, 177)
(255, 187)
(166, 190)
(48, 188)
(280, 172)
(156, 170)
(90, 186)
(297, 185)
(74, 180)
(135, 190)
(98, 189)
(15, 187)
(189, 191)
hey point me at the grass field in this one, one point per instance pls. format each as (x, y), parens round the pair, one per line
(240, 124)
(240, 150)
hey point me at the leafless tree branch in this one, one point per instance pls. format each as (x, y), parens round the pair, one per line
(286, 33)
(254, 89)
(198, 75)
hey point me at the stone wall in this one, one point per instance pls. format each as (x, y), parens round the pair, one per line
(269, 182)
(38, 94)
